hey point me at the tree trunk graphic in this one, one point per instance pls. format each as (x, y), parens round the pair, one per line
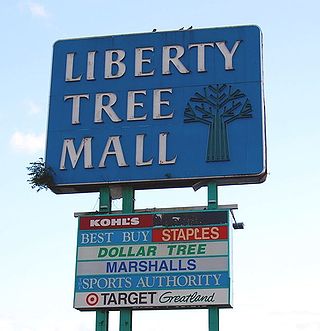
(217, 149)
(216, 107)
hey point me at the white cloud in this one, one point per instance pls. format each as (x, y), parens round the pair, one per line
(28, 142)
(37, 10)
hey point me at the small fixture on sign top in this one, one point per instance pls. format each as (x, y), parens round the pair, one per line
(236, 225)
(199, 184)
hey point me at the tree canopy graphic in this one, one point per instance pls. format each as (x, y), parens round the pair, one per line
(216, 107)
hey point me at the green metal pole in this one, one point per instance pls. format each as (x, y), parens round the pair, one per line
(213, 204)
(102, 316)
(212, 196)
(127, 207)
(105, 200)
(213, 319)
(127, 200)
(102, 320)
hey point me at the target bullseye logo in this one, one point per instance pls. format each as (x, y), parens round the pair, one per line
(92, 299)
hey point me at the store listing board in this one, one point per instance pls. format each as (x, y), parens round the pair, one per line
(153, 260)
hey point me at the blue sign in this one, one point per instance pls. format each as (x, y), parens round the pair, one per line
(160, 109)
(98, 238)
(158, 281)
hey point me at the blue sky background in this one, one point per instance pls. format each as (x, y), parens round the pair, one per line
(276, 263)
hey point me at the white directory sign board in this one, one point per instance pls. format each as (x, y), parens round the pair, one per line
(142, 261)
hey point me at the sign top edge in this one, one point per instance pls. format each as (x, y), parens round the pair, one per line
(250, 26)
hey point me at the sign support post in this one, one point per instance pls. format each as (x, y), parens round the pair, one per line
(127, 207)
(213, 204)
(102, 316)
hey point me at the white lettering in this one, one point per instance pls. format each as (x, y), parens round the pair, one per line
(135, 236)
(99, 107)
(157, 102)
(172, 55)
(117, 63)
(68, 148)
(117, 151)
(145, 235)
(175, 60)
(163, 150)
(132, 104)
(139, 151)
(76, 106)
(69, 69)
(139, 60)
(90, 65)
(216, 278)
(228, 56)
(201, 54)
(94, 223)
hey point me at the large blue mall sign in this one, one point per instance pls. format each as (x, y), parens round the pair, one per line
(160, 109)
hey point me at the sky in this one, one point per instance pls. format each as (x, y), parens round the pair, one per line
(276, 264)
